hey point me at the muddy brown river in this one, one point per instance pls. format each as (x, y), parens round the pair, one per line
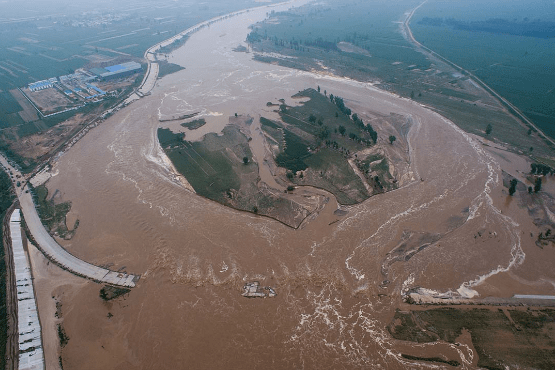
(339, 278)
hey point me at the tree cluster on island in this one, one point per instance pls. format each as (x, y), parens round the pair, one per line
(540, 169)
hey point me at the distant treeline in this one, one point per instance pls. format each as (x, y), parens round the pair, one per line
(526, 27)
(254, 36)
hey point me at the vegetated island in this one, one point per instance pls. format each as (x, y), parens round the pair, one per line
(315, 148)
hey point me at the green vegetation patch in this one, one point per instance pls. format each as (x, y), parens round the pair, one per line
(527, 340)
(193, 125)
(10, 119)
(108, 292)
(26, 164)
(294, 153)
(269, 123)
(375, 169)
(62, 336)
(52, 215)
(330, 170)
(8, 104)
(212, 165)
(220, 167)
(167, 138)
(318, 137)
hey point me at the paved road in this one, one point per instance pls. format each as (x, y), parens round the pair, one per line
(52, 249)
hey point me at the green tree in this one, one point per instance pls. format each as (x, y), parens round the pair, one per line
(245, 160)
(312, 118)
(342, 130)
(318, 88)
(538, 185)
(283, 108)
(324, 133)
(512, 188)
(412, 94)
(488, 129)
(392, 139)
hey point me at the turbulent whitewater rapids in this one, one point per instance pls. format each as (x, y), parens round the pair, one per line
(339, 277)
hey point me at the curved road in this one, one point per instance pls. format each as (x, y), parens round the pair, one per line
(52, 249)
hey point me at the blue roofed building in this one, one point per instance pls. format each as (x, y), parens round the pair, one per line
(117, 71)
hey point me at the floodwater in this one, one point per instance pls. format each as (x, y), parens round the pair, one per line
(194, 255)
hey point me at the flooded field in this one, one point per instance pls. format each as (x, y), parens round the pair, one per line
(339, 278)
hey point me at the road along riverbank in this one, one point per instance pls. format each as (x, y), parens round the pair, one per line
(51, 248)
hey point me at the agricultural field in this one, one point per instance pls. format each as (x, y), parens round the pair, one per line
(512, 49)
(365, 44)
(88, 35)
(371, 48)
(58, 41)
